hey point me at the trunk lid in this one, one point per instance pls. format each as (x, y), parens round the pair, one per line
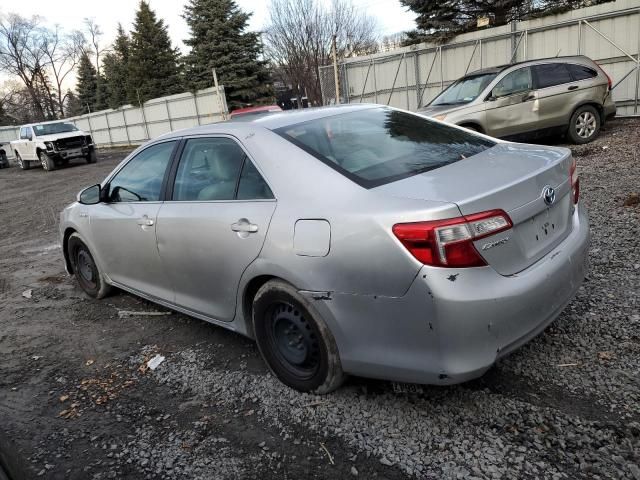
(510, 177)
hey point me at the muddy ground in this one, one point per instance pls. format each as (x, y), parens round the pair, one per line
(76, 399)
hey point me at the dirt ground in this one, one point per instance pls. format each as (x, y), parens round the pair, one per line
(76, 400)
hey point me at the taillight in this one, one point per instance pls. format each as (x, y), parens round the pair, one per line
(575, 181)
(449, 243)
(606, 75)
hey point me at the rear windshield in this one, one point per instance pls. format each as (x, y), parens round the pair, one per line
(378, 146)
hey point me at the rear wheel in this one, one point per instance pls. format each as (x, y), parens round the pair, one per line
(85, 269)
(4, 162)
(24, 165)
(584, 125)
(47, 162)
(92, 157)
(294, 341)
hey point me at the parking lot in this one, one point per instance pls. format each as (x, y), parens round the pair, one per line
(81, 403)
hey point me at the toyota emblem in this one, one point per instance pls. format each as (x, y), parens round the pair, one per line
(549, 195)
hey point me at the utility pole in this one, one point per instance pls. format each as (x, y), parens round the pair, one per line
(335, 69)
(220, 103)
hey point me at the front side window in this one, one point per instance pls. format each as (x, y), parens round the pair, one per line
(140, 180)
(551, 74)
(209, 170)
(464, 90)
(377, 146)
(518, 81)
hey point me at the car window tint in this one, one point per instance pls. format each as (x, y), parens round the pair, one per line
(140, 180)
(381, 145)
(208, 170)
(581, 72)
(550, 74)
(518, 81)
(252, 186)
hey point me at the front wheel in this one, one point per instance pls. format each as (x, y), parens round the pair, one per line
(4, 162)
(584, 126)
(92, 157)
(85, 269)
(23, 164)
(47, 162)
(294, 341)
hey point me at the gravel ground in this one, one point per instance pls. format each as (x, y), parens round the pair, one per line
(76, 400)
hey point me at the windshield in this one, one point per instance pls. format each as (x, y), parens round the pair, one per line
(377, 146)
(464, 90)
(51, 128)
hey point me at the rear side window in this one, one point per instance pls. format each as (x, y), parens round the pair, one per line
(582, 72)
(377, 146)
(551, 74)
(518, 81)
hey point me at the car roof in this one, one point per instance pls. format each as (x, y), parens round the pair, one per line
(501, 68)
(271, 121)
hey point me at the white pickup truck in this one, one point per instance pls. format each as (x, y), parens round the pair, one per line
(52, 144)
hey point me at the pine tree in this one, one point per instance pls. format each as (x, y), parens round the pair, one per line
(114, 66)
(153, 66)
(87, 83)
(219, 40)
(72, 106)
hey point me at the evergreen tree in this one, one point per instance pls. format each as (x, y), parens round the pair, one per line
(219, 40)
(87, 83)
(72, 106)
(153, 66)
(114, 66)
(102, 96)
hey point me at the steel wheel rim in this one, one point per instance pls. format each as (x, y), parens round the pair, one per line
(43, 161)
(86, 268)
(20, 162)
(292, 340)
(586, 124)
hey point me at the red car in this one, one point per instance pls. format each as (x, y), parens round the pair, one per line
(255, 110)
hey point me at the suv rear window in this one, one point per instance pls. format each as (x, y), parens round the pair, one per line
(550, 74)
(378, 146)
(581, 72)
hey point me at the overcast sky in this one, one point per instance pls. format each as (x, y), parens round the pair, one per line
(69, 14)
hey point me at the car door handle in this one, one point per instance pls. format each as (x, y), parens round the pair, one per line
(145, 222)
(244, 226)
(572, 87)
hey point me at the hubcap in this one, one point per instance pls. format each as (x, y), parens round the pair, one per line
(86, 267)
(20, 162)
(586, 124)
(43, 161)
(294, 341)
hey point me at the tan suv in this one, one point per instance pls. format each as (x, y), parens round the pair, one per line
(533, 97)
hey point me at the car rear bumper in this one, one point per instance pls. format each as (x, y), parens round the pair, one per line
(453, 324)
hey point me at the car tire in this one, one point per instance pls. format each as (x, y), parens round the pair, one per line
(85, 268)
(23, 164)
(46, 161)
(585, 124)
(4, 162)
(92, 157)
(294, 341)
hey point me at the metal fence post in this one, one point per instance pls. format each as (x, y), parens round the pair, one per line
(195, 104)
(106, 119)
(126, 127)
(635, 103)
(416, 60)
(375, 81)
(406, 81)
(144, 116)
(166, 107)
(393, 86)
(364, 85)
(441, 71)
(579, 37)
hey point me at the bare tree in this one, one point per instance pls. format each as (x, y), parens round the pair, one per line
(62, 53)
(299, 36)
(22, 55)
(95, 33)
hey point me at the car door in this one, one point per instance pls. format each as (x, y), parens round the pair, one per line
(124, 228)
(555, 88)
(512, 108)
(23, 144)
(214, 225)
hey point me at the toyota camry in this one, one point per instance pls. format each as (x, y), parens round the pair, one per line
(360, 240)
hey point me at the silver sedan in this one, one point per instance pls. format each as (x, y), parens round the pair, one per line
(358, 240)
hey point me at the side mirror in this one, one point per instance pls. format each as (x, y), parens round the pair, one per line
(91, 195)
(491, 98)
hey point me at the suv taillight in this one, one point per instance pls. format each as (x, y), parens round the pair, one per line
(606, 75)
(575, 181)
(449, 243)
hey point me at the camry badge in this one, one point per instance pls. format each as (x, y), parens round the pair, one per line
(548, 195)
